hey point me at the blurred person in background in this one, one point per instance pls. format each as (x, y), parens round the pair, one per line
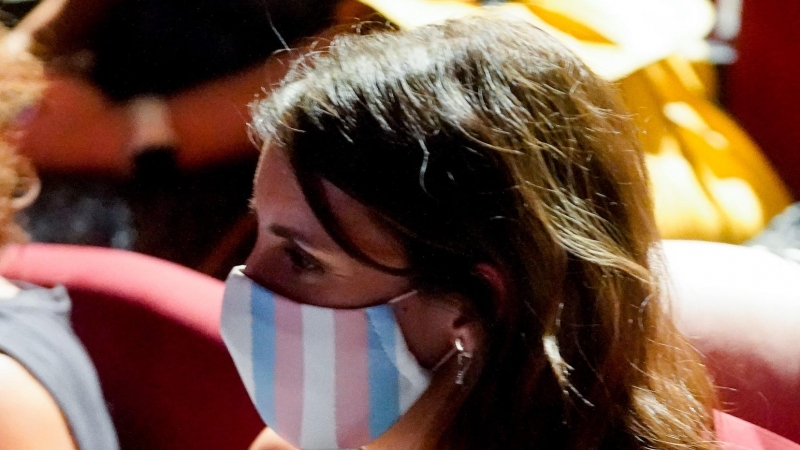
(653, 49)
(50, 397)
(147, 84)
(155, 93)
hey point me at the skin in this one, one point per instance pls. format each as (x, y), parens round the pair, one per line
(296, 258)
(92, 132)
(30, 418)
(760, 326)
(78, 129)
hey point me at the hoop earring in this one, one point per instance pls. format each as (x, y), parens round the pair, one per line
(464, 360)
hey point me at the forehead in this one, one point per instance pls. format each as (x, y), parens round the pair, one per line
(279, 201)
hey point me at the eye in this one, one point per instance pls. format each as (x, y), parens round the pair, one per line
(301, 261)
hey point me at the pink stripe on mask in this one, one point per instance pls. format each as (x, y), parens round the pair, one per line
(288, 369)
(352, 379)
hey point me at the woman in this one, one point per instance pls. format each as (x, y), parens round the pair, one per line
(456, 250)
(50, 396)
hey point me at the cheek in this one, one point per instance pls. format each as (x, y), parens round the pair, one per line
(428, 329)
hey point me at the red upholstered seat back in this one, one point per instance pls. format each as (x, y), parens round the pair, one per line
(740, 306)
(737, 434)
(151, 328)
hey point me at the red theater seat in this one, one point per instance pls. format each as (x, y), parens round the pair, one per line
(151, 328)
(737, 434)
(740, 306)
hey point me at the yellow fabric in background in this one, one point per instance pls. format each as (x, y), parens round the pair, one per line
(709, 180)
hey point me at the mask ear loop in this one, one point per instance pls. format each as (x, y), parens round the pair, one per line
(464, 356)
(402, 297)
(444, 359)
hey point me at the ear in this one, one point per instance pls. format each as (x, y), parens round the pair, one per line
(467, 349)
(431, 328)
(465, 327)
(469, 333)
(496, 281)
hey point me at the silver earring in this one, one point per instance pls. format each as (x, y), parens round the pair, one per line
(464, 360)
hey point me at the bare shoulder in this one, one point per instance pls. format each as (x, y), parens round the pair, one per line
(26, 409)
(7, 289)
(268, 440)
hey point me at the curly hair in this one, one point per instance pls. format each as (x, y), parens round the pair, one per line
(21, 84)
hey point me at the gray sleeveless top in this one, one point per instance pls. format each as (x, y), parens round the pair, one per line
(35, 330)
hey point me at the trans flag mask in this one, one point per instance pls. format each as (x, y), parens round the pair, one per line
(322, 378)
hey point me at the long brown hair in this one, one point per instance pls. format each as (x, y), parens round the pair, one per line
(483, 140)
(21, 84)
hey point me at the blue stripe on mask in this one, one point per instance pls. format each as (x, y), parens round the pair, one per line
(262, 306)
(384, 389)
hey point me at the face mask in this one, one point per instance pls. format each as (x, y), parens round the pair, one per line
(322, 378)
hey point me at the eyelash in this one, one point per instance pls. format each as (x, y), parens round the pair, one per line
(301, 261)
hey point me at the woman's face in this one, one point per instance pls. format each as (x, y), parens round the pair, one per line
(296, 258)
